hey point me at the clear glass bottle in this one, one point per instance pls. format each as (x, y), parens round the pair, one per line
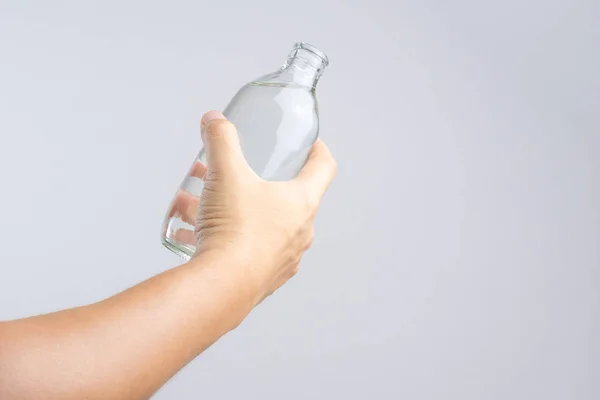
(277, 119)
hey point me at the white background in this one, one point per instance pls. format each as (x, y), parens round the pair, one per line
(457, 254)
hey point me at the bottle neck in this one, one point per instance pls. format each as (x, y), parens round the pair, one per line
(305, 64)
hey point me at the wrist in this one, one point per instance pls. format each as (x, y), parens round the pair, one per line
(230, 274)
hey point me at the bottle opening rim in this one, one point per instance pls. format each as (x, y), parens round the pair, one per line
(314, 50)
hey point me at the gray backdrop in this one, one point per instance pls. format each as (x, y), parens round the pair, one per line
(457, 254)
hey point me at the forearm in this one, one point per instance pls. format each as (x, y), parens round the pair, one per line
(127, 346)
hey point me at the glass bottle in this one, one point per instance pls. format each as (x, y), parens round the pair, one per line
(277, 119)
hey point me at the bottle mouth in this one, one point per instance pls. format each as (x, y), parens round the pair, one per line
(312, 49)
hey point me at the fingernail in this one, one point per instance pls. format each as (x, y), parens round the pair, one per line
(209, 116)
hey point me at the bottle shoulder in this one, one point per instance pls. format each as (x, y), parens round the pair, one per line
(284, 78)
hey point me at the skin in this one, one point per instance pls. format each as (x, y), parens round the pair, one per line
(252, 235)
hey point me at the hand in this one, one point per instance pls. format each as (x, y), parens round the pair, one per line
(265, 226)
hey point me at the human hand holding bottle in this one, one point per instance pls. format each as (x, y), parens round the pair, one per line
(277, 116)
(266, 226)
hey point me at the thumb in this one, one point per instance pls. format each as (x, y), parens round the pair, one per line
(318, 172)
(222, 143)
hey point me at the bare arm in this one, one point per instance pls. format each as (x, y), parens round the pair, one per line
(127, 346)
(253, 235)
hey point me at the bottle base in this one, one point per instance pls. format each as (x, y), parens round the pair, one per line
(179, 249)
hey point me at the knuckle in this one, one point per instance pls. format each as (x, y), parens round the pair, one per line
(295, 268)
(210, 177)
(308, 206)
(310, 238)
(217, 127)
